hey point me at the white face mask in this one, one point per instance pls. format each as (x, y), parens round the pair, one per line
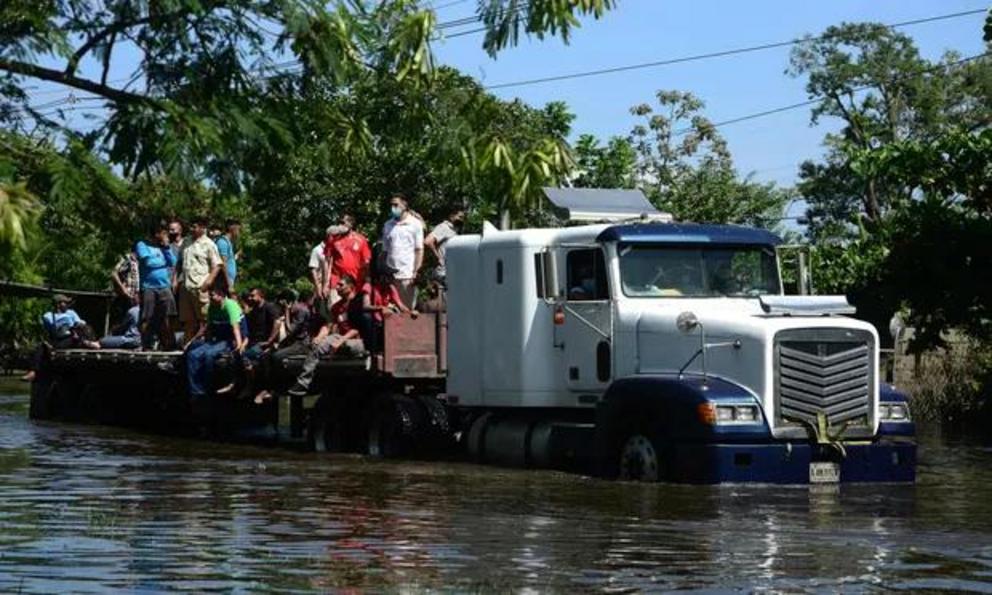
(396, 211)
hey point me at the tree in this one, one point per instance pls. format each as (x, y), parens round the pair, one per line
(685, 168)
(610, 166)
(205, 65)
(874, 80)
(941, 237)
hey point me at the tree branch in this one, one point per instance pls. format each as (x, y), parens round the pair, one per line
(69, 80)
(112, 30)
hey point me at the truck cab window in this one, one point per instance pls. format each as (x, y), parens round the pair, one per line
(586, 275)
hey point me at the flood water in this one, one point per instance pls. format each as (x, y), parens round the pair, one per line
(91, 509)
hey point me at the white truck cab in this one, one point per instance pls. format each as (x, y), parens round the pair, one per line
(674, 345)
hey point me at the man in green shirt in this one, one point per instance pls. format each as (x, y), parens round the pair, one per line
(224, 332)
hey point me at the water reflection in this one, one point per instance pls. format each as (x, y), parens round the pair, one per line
(89, 509)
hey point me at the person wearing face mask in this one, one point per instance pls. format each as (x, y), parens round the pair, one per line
(437, 240)
(346, 252)
(403, 242)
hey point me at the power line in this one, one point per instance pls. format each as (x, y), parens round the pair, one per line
(785, 108)
(709, 55)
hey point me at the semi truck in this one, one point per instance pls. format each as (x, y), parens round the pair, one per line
(639, 349)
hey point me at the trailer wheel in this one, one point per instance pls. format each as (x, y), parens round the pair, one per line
(43, 395)
(326, 430)
(393, 426)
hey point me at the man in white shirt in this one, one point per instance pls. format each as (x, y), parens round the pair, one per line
(318, 265)
(403, 242)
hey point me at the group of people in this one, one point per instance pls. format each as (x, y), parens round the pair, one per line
(180, 292)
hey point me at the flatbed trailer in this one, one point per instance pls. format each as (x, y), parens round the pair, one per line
(147, 389)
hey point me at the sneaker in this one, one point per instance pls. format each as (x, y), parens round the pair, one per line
(225, 389)
(297, 391)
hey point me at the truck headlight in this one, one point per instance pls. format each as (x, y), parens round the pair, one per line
(715, 415)
(893, 412)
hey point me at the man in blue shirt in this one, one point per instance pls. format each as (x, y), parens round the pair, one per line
(226, 245)
(155, 264)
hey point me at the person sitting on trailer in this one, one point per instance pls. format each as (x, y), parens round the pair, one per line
(301, 321)
(221, 334)
(127, 333)
(338, 337)
(64, 329)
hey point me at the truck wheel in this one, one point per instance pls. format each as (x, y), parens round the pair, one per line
(642, 458)
(326, 430)
(393, 426)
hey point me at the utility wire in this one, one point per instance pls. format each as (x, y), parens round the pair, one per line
(785, 108)
(708, 55)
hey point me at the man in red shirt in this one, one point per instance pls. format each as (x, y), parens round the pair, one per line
(338, 337)
(346, 253)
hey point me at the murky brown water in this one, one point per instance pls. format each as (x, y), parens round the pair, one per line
(87, 509)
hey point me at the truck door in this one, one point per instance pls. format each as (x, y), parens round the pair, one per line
(585, 334)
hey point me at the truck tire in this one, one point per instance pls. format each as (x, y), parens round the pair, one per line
(395, 426)
(642, 456)
(326, 431)
(43, 395)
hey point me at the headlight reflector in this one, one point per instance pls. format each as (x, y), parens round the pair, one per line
(894, 412)
(715, 415)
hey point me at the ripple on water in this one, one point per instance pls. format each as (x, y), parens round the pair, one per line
(86, 509)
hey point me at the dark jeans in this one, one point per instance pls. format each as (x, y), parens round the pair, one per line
(157, 305)
(120, 342)
(200, 360)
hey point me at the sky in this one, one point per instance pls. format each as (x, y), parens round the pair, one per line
(640, 31)
(637, 31)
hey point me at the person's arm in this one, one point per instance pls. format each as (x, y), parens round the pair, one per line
(367, 304)
(316, 276)
(239, 344)
(396, 300)
(274, 335)
(115, 279)
(432, 242)
(216, 266)
(322, 333)
(418, 252)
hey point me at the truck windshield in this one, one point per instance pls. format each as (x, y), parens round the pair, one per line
(650, 270)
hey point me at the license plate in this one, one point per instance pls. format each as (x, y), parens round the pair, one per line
(824, 473)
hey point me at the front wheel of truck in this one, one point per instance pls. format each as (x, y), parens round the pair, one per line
(641, 458)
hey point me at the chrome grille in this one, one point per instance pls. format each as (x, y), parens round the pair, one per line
(828, 371)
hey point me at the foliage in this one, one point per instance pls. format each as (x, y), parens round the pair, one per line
(685, 168)
(208, 65)
(874, 80)
(610, 166)
(952, 384)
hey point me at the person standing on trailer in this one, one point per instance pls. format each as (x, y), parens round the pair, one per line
(339, 337)
(155, 264)
(222, 334)
(437, 240)
(403, 242)
(196, 271)
(125, 280)
(227, 248)
(318, 264)
(346, 252)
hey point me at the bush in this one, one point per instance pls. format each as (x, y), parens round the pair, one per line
(953, 384)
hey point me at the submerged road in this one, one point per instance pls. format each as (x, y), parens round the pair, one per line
(91, 509)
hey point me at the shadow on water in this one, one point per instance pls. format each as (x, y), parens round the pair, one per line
(91, 509)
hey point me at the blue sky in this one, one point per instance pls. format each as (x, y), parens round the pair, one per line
(650, 30)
